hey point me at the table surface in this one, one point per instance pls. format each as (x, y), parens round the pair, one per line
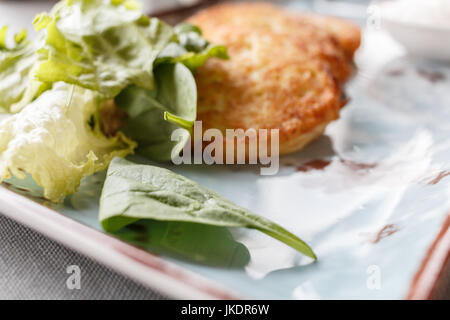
(34, 267)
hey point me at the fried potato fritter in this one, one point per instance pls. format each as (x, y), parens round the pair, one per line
(347, 34)
(284, 72)
(330, 39)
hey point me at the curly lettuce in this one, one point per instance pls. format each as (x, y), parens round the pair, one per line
(17, 84)
(57, 140)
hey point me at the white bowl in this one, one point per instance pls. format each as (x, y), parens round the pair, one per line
(421, 40)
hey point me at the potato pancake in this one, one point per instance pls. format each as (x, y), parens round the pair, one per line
(284, 72)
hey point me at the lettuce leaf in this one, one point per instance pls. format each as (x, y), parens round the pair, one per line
(101, 45)
(17, 86)
(57, 140)
(110, 47)
(107, 45)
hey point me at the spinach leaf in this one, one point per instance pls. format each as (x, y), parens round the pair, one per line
(175, 95)
(133, 192)
(194, 242)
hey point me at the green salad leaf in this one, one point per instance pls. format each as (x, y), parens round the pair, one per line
(17, 86)
(101, 45)
(173, 99)
(112, 48)
(194, 242)
(133, 192)
(191, 49)
(176, 95)
(107, 45)
(57, 140)
(107, 51)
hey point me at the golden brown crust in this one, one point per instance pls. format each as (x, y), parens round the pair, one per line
(346, 33)
(330, 39)
(284, 73)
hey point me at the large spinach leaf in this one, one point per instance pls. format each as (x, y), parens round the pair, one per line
(194, 242)
(133, 192)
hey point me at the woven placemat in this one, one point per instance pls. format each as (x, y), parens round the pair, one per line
(35, 267)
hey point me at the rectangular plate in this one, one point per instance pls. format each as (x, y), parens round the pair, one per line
(371, 196)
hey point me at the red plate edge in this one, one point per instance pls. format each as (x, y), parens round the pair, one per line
(433, 265)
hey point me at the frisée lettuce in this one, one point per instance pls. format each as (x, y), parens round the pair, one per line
(57, 140)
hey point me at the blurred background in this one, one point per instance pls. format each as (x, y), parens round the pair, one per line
(422, 27)
(175, 10)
